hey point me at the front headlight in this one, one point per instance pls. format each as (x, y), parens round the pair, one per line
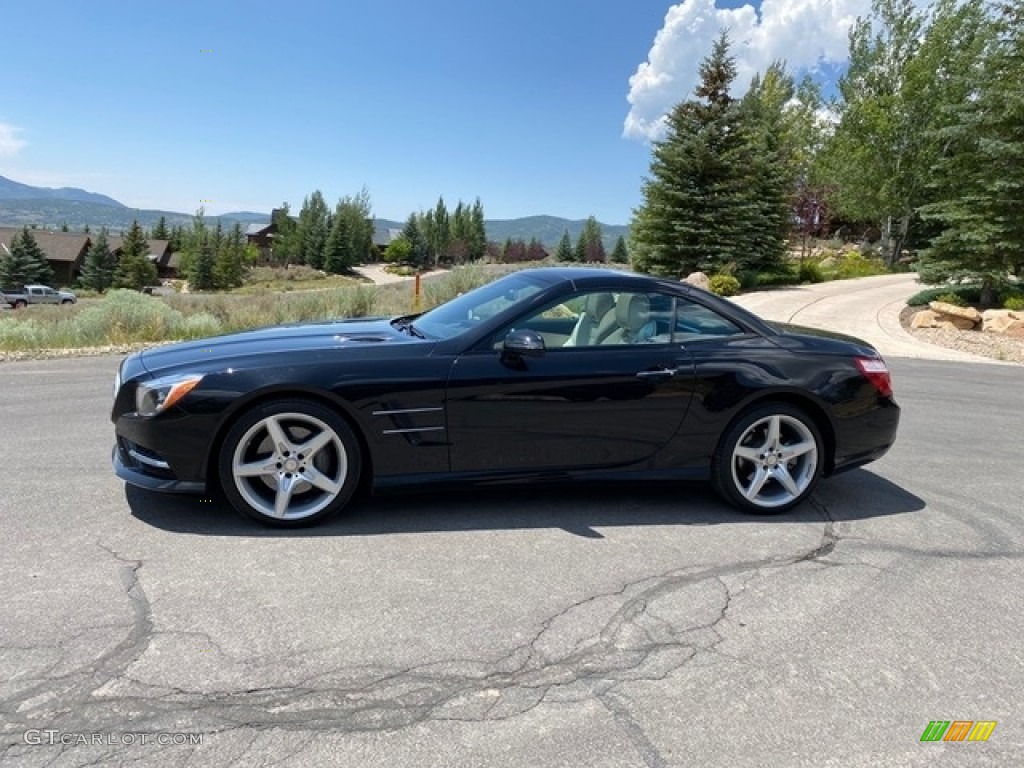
(117, 379)
(156, 396)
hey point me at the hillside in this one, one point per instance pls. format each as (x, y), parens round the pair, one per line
(24, 205)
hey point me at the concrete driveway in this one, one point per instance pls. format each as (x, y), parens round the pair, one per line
(868, 308)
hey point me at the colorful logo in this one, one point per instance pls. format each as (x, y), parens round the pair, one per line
(958, 730)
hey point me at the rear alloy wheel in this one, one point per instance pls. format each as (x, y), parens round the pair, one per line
(289, 463)
(769, 460)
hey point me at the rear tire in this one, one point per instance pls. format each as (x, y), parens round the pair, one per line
(769, 460)
(290, 463)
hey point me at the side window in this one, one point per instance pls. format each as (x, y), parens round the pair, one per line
(600, 319)
(695, 322)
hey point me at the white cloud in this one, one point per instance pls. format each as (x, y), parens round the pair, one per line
(10, 144)
(804, 33)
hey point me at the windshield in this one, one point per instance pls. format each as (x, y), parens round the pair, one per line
(465, 311)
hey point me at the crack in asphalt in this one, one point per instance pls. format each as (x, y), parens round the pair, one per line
(647, 629)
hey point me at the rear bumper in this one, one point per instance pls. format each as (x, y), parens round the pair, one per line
(866, 437)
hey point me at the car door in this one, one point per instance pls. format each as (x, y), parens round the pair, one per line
(612, 402)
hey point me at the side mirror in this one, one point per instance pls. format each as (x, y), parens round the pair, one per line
(524, 342)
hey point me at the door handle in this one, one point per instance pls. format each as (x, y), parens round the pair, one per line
(660, 373)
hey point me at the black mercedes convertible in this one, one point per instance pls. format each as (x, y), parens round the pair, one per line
(543, 375)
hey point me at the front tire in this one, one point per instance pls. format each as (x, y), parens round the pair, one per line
(769, 460)
(290, 463)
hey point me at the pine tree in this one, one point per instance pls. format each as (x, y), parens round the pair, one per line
(134, 269)
(229, 264)
(441, 230)
(16, 269)
(313, 229)
(98, 267)
(160, 231)
(28, 250)
(591, 242)
(978, 180)
(697, 204)
(338, 256)
(565, 251)
(418, 249)
(477, 232)
(619, 254)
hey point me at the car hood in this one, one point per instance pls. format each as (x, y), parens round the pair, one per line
(819, 340)
(275, 340)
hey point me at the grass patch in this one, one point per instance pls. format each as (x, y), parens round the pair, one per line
(126, 317)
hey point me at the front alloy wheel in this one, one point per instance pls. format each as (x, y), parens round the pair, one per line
(770, 460)
(289, 463)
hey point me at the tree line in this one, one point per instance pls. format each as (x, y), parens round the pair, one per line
(920, 151)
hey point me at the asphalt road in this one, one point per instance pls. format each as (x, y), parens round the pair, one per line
(632, 627)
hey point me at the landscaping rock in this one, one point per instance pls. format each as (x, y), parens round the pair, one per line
(997, 320)
(954, 323)
(925, 319)
(952, 310)
(699, 279)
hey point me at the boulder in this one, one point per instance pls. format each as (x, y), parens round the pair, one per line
(954, 323)
(1007, 322)
(925, 319)
(952, 310)
(699, 279)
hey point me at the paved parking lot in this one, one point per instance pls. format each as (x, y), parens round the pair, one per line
(645, 626)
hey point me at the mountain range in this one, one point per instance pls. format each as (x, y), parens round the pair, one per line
(25, 205)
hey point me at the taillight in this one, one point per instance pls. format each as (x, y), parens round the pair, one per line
(877, 372)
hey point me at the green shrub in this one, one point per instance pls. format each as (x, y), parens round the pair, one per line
(1016, 303)
(951, 298)
(969, 294)
(724, 285)
(785, 276)
(16, 333)
(810, 272)
(126, 316)
(854, 264)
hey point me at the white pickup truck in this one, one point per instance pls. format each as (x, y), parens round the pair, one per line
(36, 294)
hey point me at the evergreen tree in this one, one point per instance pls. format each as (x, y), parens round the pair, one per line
(285, 246)
(16, 269)
(134, 269)
(697, 205)
(26, 251)
(413, 235)
(160, 232)
(565, 251)
(590, 246)
(619, 254)
(98, 267)
(772, 171)
(477, 232)
(338, 255)
(313, 229)
(229, 265)
(978, 179)
(442, 235)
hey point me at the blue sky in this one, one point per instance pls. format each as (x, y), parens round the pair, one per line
(535, 107)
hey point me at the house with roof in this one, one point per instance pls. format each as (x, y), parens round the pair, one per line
(65, 252)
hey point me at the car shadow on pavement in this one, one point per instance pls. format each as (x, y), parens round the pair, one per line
(578, 509)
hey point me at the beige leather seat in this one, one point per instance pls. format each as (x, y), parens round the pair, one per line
(595, 322)
(632, 314)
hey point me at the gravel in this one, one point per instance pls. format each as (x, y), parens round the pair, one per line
(993, 345)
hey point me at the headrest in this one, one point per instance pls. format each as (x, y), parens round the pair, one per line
(597, 305)
(632, 311)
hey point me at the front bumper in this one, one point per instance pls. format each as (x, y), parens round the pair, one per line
(129, 468)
